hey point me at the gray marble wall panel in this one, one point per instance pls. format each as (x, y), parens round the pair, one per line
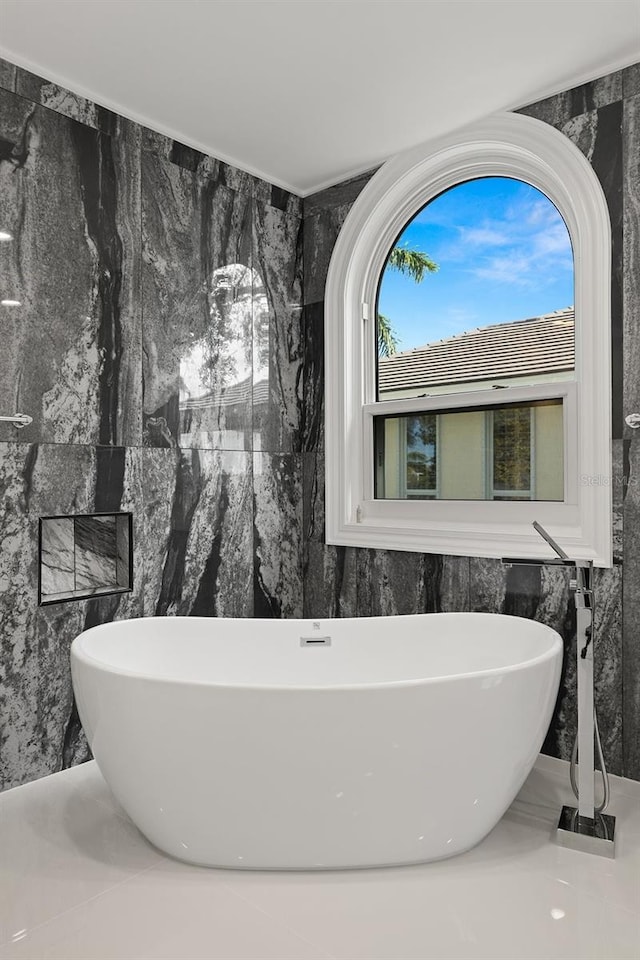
(67, 104)
(197, 298)
(71, 354)
(123, 548)
(8, 74)
(278, 198)
(631, 81)
(330, 588)
(620, 465)
(313, 377)
(609, 664)
(338, 195)
(125, 239)
(277, 330)
(631, 614)
(57, 559)
(198, 520)
(313, 496)
(200, 163)
(631, 258)
(602, 119)
(278, 590)
(37, 480)
(54, 726)
(321, 229)
(599, 135)
(391, 583)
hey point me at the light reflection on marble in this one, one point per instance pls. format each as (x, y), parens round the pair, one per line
(215, 370)
(197, 290)
(188, 221)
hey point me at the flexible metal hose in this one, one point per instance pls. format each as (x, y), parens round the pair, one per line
(603, 770)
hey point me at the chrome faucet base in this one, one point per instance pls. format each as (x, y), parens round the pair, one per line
(595, 835)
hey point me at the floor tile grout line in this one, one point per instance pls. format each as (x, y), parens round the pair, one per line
(80, 903)
(285, 926)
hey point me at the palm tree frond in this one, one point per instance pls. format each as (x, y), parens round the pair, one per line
(413, 263)
(387, 340)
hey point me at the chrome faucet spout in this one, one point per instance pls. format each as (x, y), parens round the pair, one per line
(552, 543)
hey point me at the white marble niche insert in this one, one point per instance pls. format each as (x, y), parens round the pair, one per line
(85, 556)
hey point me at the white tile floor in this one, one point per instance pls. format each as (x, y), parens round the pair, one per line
(77, 880)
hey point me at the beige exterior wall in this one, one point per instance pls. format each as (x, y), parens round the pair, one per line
(549, 453)
(461, 449)
(393, 428)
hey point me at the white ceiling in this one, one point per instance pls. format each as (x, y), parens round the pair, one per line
(307, 92)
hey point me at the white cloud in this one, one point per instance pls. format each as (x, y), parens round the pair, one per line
(483, 236)
(527, 244)
(514, 268)
(536, 246)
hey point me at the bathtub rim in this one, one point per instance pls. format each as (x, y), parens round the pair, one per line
(555, 649)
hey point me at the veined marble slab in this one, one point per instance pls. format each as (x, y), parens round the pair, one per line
(198, 301)
(277, 331)
(71, 356)
(57, 557)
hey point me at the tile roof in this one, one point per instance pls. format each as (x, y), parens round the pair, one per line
(539, 345)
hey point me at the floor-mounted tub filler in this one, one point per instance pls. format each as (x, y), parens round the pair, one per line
(297, 744)
(586, 826)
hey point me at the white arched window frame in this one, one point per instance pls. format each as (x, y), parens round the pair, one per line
(505, 145)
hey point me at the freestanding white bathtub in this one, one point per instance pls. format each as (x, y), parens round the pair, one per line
(386, 740)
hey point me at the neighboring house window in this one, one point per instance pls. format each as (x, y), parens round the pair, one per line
(511, 441)
(510, 452)
(456, 444)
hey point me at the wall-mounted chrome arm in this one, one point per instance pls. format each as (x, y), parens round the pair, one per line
(19, 420)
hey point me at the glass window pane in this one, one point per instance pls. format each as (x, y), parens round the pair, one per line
(477, 292)
(512, 449)
(506, 452)
(421, 455)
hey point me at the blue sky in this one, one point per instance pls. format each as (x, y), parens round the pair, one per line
(503, 252)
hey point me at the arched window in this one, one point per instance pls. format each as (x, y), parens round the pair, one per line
(456, 444)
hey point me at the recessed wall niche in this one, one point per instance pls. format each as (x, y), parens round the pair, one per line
(85, 556)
